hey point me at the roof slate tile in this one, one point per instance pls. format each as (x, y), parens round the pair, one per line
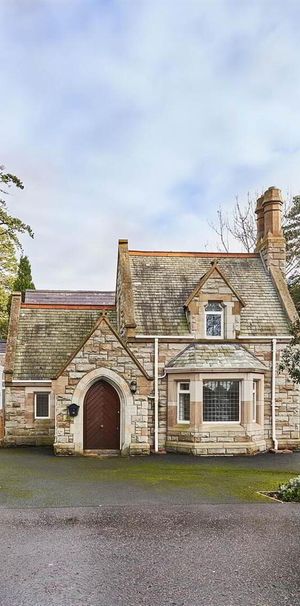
(216, 356)
(162, 284)
(48, 337)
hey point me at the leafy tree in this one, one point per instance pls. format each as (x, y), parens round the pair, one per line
(11, 225)
(11, 228)
(8, 271)
(290, 359)
(294, 287)
(23, 280)
(292, 233)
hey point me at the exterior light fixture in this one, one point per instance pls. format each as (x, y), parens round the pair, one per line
(73, 410)
(133, 386)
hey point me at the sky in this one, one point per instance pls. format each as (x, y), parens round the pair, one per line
(138, 119)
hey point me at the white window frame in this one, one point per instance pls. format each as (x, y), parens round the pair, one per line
(240, 382)
(48, 393)
(185, 391)
(255, 399)
(214, 313)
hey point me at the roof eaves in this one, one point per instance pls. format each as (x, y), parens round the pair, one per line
(206, 255)
(205, 369)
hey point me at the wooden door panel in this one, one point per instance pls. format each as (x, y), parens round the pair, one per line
(101, 417)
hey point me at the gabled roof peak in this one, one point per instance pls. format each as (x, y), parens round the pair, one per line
(206, 276)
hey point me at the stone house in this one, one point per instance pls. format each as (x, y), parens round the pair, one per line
(183, 357)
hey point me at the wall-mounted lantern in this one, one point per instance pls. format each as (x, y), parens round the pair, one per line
(133, 386)
(73, 410)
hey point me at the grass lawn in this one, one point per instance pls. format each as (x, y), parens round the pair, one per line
(34, 477)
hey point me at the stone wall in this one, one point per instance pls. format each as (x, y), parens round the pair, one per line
(21, 427)
(287, 398)
(2, 359)
(227, 440)
(1, 427)
(102, 352)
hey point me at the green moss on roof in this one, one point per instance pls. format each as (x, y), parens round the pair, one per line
(221, 356)
(162, 284)
(48, 337)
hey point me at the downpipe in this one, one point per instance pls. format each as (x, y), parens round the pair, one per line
(156, 379)
(273, 401)
(156, 394)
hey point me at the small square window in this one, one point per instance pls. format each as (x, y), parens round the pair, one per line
(42, 405)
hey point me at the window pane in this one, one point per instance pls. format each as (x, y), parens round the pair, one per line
(221, 401)
(214, 306)
(184, 387)
(254, 401)
(184, 407)
(214, 325)
(42, 405)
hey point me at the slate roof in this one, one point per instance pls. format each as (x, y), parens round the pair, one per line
(214, 356)
(162, 284)
(48, 337)
(70, 297)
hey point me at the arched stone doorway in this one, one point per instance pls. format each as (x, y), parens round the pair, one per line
(127, 408)
(101, 417)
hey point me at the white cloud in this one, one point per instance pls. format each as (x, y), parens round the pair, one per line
(138, 119)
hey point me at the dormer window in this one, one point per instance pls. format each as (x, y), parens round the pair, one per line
(214, 319)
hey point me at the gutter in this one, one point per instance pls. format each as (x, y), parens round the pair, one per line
(16, 381)
(266, 338)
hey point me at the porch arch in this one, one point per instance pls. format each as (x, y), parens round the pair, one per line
(126, 405)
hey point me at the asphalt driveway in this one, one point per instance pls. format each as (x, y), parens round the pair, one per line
(157, 531)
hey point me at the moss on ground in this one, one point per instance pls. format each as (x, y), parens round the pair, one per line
(37, 477)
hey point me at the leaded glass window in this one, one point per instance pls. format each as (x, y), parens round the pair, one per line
(221, 401)
(214, 319)
(183, 406)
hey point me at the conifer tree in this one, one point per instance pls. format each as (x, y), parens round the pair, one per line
(23, 280)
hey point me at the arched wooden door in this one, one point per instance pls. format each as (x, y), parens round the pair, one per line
(101, 417)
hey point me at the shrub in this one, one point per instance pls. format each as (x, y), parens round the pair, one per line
(290, 491)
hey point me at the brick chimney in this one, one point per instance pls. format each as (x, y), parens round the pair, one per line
(270, 239)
